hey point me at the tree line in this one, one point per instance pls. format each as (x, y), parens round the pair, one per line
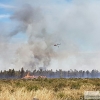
(12, 74)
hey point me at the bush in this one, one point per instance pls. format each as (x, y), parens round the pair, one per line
(61, 95)
(75, 86)
(34, 88)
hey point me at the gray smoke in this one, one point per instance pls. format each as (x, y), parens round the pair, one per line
(42, 24)
(39, 48)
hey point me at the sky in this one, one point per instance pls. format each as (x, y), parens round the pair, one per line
(29, 29)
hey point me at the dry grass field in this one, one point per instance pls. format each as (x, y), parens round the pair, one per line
(46, 89)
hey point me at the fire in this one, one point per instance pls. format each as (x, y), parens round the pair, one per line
(28, 76)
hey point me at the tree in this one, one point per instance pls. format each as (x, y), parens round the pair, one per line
(9, 74)
(22, 72)
(13, 73)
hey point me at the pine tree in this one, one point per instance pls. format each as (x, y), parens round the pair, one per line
(22, 72)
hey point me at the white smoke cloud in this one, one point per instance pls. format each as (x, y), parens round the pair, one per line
(74, 24)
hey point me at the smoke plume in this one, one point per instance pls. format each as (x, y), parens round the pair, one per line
(38, 51)
(35, 26)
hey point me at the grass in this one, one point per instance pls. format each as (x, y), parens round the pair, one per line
(47, 89)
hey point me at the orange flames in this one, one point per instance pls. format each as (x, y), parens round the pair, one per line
(28, 76)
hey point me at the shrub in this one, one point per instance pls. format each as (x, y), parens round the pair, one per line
(75, 85)
(34, 88)
(61, 95)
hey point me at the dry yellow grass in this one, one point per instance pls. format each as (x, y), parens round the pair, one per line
(9, 91)
(23, 94)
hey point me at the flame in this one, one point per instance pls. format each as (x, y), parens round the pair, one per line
(28, 76)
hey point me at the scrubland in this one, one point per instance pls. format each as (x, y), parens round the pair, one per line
(47, 89)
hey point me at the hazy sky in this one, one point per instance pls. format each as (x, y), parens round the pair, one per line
(30, 28)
